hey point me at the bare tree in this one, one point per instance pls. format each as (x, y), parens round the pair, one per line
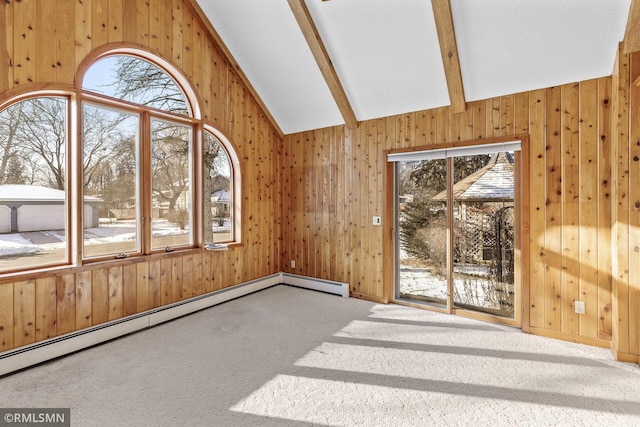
(101, 143)
(42, 134)
(9, 125)
(144, 83)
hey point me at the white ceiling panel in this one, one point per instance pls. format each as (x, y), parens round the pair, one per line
(386, 54)
(267, 43)
(510, 46)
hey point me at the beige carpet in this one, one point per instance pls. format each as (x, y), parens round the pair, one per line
(287, 356)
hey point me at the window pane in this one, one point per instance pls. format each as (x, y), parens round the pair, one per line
(33, 193)
(422, 222)
(110, 169)
(218, 203)
(484, 233)
(171, 193)
(136, 80)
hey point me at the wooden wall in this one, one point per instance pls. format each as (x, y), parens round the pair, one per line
(335, 181)
(626, 208)
(42, 42)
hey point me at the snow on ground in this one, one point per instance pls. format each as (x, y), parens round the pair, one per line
(15, 244)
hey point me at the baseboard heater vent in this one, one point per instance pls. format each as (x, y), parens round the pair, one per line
(338, 288)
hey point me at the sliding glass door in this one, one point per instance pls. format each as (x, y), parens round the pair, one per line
(457, 223)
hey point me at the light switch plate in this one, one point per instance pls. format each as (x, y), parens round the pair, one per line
(377, 220)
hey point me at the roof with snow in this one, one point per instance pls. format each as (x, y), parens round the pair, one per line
(494, 182)
(30, 193)
(221, 196)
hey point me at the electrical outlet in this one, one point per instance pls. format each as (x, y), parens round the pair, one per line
(579, 307)
(293, 263)
(377, 220)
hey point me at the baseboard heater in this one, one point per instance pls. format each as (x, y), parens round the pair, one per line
(338, 288)
(33, 354)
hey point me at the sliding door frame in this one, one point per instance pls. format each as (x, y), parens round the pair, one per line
(522, 258)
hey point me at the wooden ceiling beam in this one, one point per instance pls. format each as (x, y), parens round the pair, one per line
(449, 50)
(310, 32)
(227, 53)
(631, 41)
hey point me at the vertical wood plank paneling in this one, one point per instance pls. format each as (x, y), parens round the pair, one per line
(100, 293)
(66, 304)
(207, 79)
(83, 300)
(337, 145)
(82, 29)
(24, 38)
(115, 29)
(621, 247)
(176, 35)
(143, 292)
(553, 211)
(166, 28)
(570, 207)
(116, 309)
(129, 21)
(442, 125)
(588, 206)
(6, 41)
(143, 22)
(634, 208)
(24, 321)
(65, 42)
(480, 121)
(507, 115)
(187, 45)
(99, 22)
(177, 292)
(604, 209)
(129, 289)
(46, 308)
(198, 52)
(376, 160)
(457, 127)
(6, 317)
(493, 118)
(358, 190)
(187, 276)
(166, 290)
(155, 25)
(350, 190)
(521, 113)
(537, 203)
(155, 284)
(207, 272)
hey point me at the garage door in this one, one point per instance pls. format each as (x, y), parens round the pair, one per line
(5, 219)
(41, 217)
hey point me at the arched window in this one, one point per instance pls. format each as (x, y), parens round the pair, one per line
(140, 136)
(138, 159)
(34, 196)
(221, 188)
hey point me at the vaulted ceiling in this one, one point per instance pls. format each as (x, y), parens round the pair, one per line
(319, 63)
